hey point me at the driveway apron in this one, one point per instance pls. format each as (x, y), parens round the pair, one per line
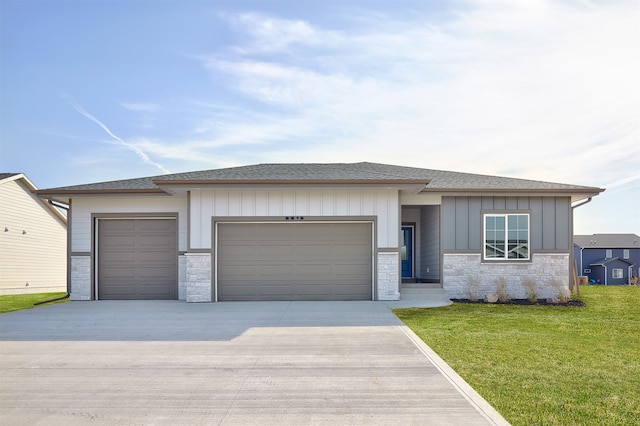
(233, 363)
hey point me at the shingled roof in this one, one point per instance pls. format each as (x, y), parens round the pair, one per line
(332, 173)
(607, 241)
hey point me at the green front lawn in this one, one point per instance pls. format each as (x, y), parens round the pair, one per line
(18, 302)
(545, 365)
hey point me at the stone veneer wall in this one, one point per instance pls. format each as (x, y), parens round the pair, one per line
(197, 283)
(388, 274)
(80, 278)
(549, 271)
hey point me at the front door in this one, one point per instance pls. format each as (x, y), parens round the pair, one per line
(407, 250)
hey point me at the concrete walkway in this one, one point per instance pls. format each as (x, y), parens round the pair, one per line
(267, 363)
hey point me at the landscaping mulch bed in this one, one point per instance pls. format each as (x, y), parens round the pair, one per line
(547, 302)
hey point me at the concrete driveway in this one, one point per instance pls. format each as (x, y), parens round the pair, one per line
(168, 362)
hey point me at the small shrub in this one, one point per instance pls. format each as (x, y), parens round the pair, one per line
(531, 287)
(563, 291)
(501, 290)
(472, 288)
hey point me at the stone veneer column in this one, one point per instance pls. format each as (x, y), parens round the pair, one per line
(198, 277)
(182, 277)
(80, 278)
(388, 274)
(550, 271)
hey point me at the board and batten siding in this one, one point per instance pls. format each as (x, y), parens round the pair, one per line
(462, 221)
(205, 204)
(430, 242)
(83, 208)
(33, 243)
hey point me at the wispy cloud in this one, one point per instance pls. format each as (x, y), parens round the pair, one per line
(623, 181)
(139, 152)
(540, 88)
(140, 107)
(269, 33)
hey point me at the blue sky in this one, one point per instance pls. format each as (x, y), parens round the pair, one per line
(95, 90)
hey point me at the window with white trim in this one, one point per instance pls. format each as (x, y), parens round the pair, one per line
(608, 254)
(506, 236)
(616, 273)
(625, 254)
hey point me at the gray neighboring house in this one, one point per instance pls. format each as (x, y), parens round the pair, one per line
(317, 232)
(609, 259)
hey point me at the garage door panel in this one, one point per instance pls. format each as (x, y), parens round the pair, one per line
(119, 226)
(153, 290)
(158, 257)
(156, 273)
(302, 261)
(113, 240)
(152, 225)
(137, 259)
(313, 289)
(121, 256)
(119, 272)
(152, 240)
(267, 289)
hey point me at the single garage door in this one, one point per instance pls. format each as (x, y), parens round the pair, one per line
(294, 261)
(137, 259)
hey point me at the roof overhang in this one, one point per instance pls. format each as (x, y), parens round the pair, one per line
(181, 188)
(66, 196)
(576, 195)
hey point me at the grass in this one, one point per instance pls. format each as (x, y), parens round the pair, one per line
(18, 302)
(545, 365)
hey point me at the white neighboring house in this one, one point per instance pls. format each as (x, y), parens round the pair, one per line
(33, 239)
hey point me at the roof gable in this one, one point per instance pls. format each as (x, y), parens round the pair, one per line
(23, 182)
(603, 262)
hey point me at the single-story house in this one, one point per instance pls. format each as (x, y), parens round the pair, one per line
(316, 232)
(33, 239)
(609, 259)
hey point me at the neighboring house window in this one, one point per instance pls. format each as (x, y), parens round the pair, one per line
(616, 273)
(506, 236)
(625, 254)
(609, 254)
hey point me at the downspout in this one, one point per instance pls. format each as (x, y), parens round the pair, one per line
(68, 294)
(605, 274)
(572, 260)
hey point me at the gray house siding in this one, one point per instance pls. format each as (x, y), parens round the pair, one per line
(430, 243)
(462, 221)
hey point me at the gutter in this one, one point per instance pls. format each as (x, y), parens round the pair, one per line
(588, 200)
(572, 259)
(58, 204)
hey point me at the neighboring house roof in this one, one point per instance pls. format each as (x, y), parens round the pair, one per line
(425, 180)
(603, 262)
(607, 241)
(31, 187)
(4, 176)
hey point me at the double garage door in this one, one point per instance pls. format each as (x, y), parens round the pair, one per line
(294, 261)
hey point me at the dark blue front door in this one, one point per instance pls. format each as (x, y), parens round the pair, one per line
(406, 247)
